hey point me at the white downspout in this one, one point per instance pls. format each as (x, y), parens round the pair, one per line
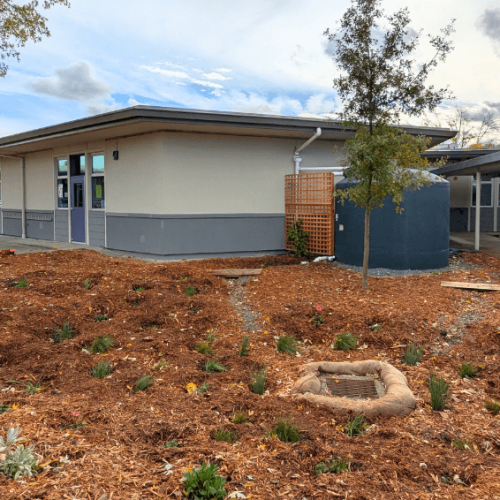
(23, 208)
(478, 210)
(296, 157)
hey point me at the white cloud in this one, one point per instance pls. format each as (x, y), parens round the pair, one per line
(166, 72)
(223, 70)
(206, 83)
(216, 76)
(180, 83)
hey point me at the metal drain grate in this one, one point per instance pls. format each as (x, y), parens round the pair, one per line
(352, 389)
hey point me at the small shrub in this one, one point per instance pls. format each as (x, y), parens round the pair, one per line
(202, 388)
(240, 418)
(203, 348)
(287, 344)
(22, 283)
(355, 426)
(3, 409)
(259, 381)
(211, 336)
(493, 407)
(18, 461)
(190, 290)
(245, 343)
(334, 466)
(87, 284)
(143, 383)
(100, 317)
(345, 341)
(214, 366)
(225, 435)
(64, 333)
(171, 444)
(412, 355)
(101, 344)
(299, 238)
(203, 483)
(461, 444)
(101, 370)
(467, 370)
(317, 319)
(286, 432)
(438, 389)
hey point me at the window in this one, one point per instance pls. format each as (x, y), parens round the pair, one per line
(62, 183)
(98, 182)
(486, 193)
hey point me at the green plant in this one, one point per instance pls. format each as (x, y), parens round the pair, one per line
(22, 283)
(101, 370)
(355, 426)
(299, 238)
(101, 344)
(287, 344)
(438, 389)
(493, 407)
(240, 418)
(171, 444)
(138, 289)
(33, 388)
(412, 355)
(184, 279)
(225, 435)
(334, 466)
(259, 381)
(211, 336)
(285, 431)
(203, 483)
(204, 348)
(214, 366)
(100, 317)
(245, 343)
(87, 284)
(18, 461)
(376, 327)
(143, 383)
(467, 370)
(3, 409)
(345, 341)
(461, 444)
(159, 366)
(317, 319)
(64, 333)
(190, 290)
(202, 388)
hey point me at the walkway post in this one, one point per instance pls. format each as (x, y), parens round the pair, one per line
(478, 209)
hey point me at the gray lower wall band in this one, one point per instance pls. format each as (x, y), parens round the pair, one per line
(196, 234)
(61, 225)
(97, 228)
(36, 229)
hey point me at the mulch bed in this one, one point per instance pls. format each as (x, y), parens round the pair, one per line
(120, 453)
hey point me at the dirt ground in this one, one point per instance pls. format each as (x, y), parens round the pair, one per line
(120, 453)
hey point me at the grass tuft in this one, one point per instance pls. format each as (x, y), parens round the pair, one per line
(467, 370)
(211, 336)
(202, 388)
(64, 333)
(345, 341)
(143, 383)
(285, 431)
(214, 366)
(190, 290)
(101, 344)
(240, 418)
(138, 289)
(334, 466)
(493, 407)
(225, 435)
(171, 444)
(355, 426)
(245, 343)
(100, 317)
(22, 283)
(438, 389)
(3, 409)
(101, 370)
(412, 355)
(461, 444)
(87, 284)
(203, 348)
(288, 345)
(259, 381)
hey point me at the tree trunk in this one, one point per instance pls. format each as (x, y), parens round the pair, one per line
(366, 253)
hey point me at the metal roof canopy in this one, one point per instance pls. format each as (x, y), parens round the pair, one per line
(139, 120)
(489, 165)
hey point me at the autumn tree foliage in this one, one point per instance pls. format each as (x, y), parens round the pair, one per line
(21, 23)
(379, 83)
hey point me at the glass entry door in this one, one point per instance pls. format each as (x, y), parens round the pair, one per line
(78, 208)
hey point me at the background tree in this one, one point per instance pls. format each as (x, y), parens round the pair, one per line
(379, 83)
(20, 24)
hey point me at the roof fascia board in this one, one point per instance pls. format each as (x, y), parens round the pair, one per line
(468, 167)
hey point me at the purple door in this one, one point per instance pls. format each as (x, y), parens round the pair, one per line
(78, 208)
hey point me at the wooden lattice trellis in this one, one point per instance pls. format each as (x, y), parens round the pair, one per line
(310, 197)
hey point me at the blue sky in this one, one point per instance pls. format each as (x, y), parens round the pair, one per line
(259, 56)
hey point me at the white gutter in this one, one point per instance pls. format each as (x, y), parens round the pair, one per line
(23, 191)
(296, 157)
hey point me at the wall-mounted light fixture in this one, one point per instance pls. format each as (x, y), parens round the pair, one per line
(115, 155)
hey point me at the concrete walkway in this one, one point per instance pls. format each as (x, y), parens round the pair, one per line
(488, 244)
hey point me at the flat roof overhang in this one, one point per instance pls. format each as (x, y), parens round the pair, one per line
(139, 120)
(488, 165)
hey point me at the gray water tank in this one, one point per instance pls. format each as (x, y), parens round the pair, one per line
(416, 239)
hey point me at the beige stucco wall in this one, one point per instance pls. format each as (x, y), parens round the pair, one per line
(11, 183)
(177, 173)
(460, 191)
(40, 181)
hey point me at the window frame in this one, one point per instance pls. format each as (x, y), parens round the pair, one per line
(97, 174)
(61, 176)
(474, 185)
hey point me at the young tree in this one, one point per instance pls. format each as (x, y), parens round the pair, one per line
(20, 24)
(379, 83)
